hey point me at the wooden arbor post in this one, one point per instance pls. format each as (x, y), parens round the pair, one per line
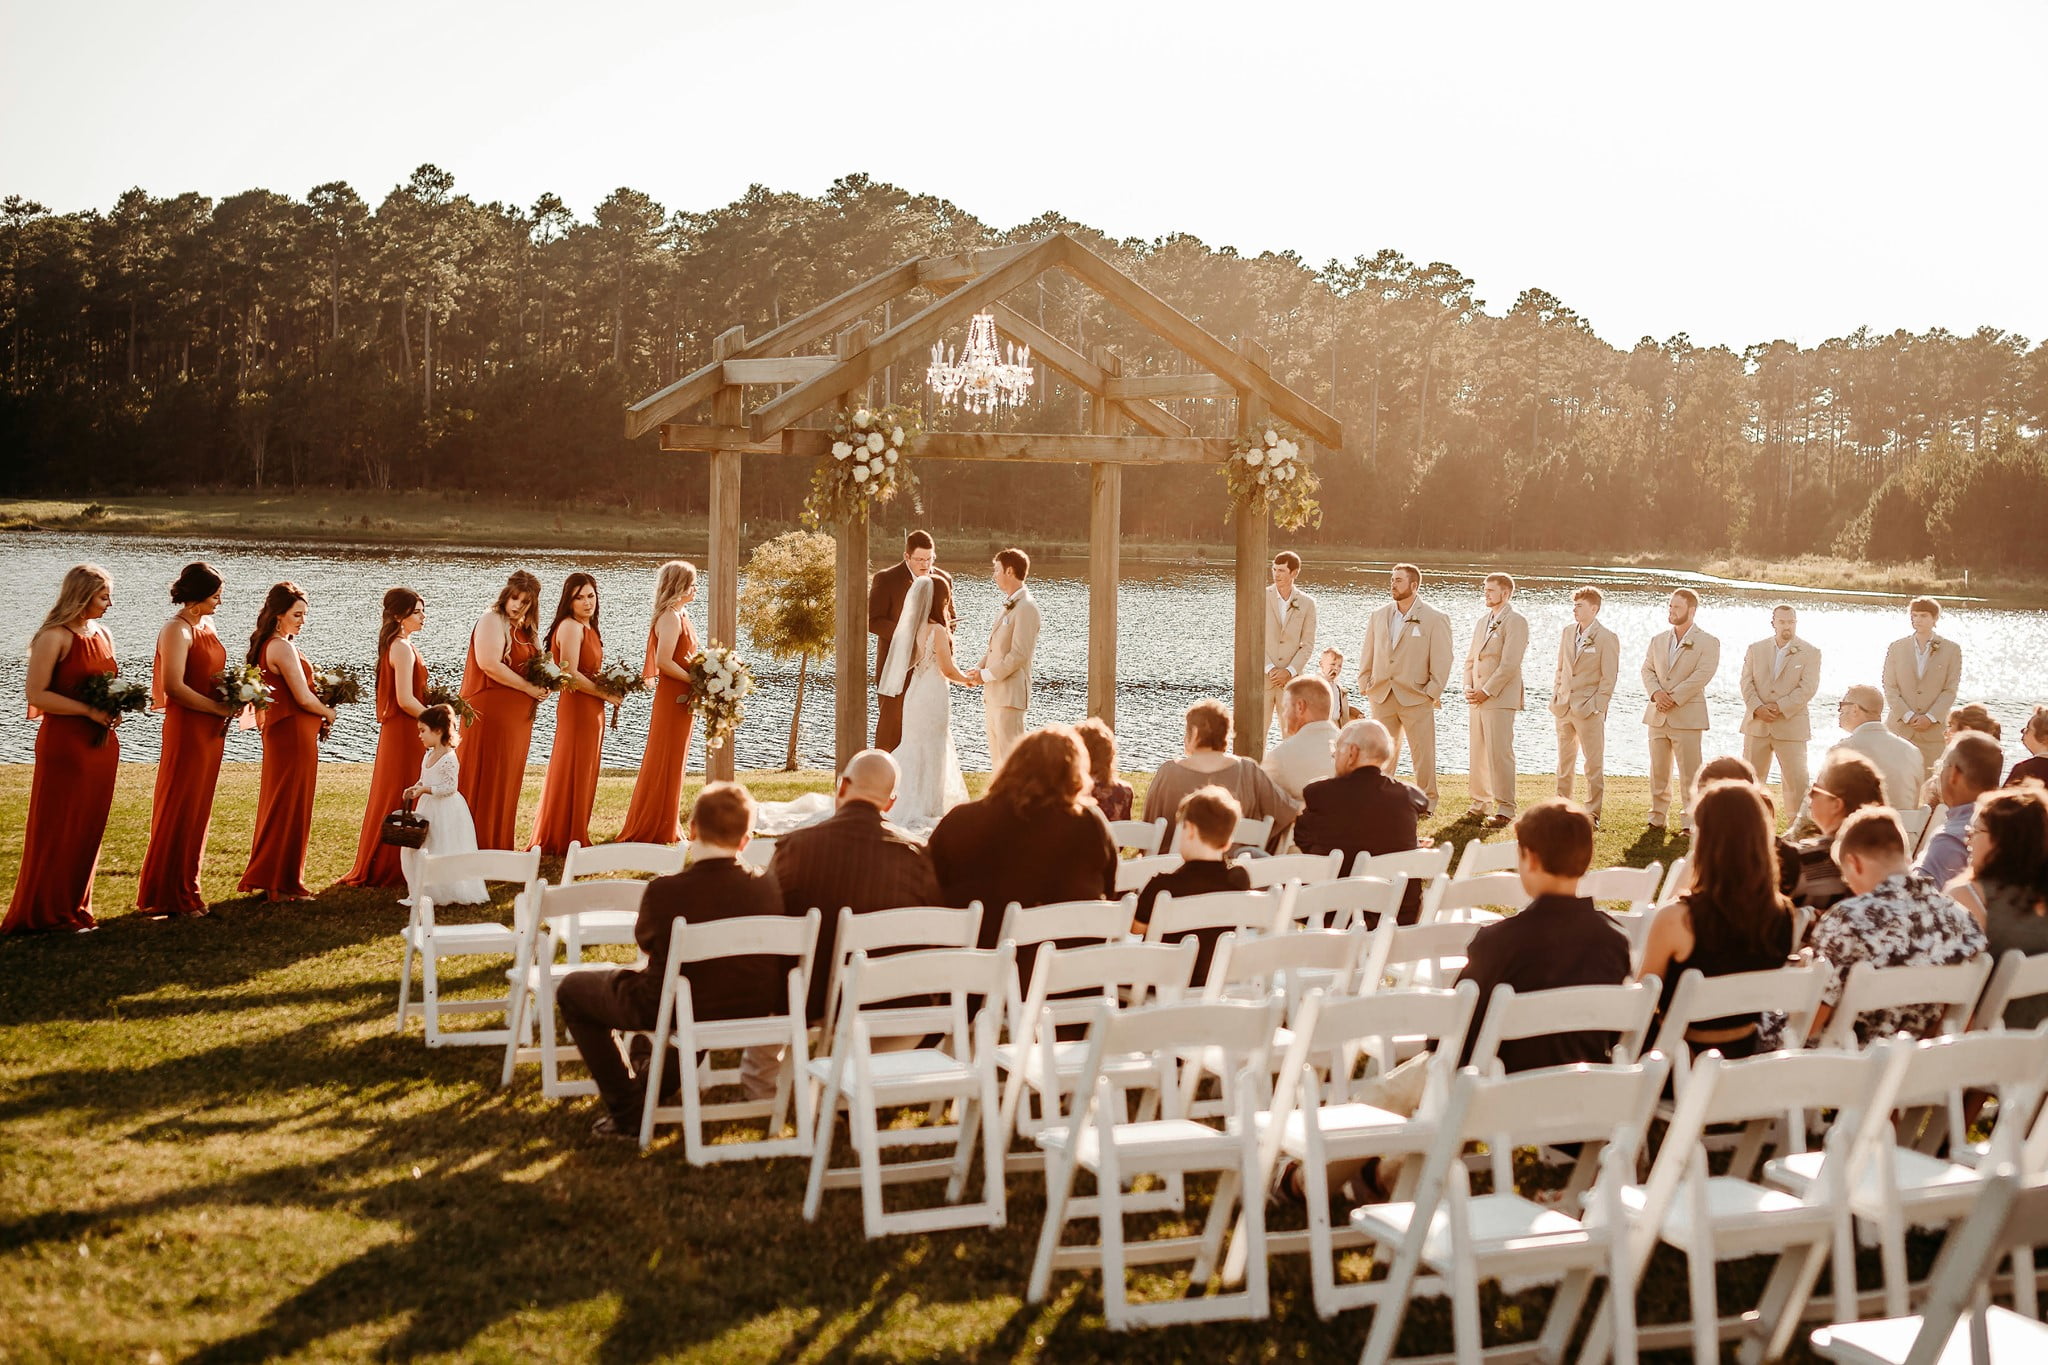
(1249, 700)
(728, 409)
(1105, 523)
(850, 592)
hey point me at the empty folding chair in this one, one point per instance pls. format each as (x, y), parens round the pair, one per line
(1416, 864)
(1286, 965)
(1210, 916)
(866, 1080)
(560, 911)
(1133, 873)
(1101, 1140)
(629, 861)
(880, 933)
(1148, 837)
(1481, 900)
(1956, 989)
(430, 941)
(1636, 885)
(1068, 922)
(2016, 977)
(1406, 955)
(676, 1022)
(1308, 868)
(1481, 858)
(1348, 902)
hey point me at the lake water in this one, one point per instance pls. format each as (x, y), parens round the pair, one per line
(1174, 639)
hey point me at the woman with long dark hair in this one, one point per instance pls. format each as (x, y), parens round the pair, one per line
(401, 696)
(654, 816)
(494, 682)
(77, 753)
(570, 788)
(2006, 888)
(1734, 919)
(189, 658)
(291, 727)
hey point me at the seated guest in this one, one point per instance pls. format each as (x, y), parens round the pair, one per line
(1895, 916)
(1897, 760)
(716, 885)
(1560, 939)
(1733, 919)
(1726, 768)
(1362, 809)
(2034, 735)
(1806, 867)
(1967, 770)
(854, 860)
(1112, 794)
(1331, 668)
(1206, 820)
(1208, 762)
(1970, 717)
(2006, 888)
(1303, 754)
(1033, 839)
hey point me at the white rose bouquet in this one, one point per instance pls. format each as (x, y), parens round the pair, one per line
(867, 464)
(616, 680)
(720, 683)
(1267, 470)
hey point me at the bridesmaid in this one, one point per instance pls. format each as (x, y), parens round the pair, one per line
(73, 785)
(494, 682)
(189, 657)
(401, 687)
(570, 788)
(291, 727)
(653, 817)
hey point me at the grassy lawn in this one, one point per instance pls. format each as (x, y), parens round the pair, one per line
(214, 1146)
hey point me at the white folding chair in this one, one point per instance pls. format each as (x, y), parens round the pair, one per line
(2016, 977)
(1133, 873)
(1793, 991)
(1070, 922)
(1146, 836)
(1409, 955)
(759, 852)
(1482, 858)
(1221, 911)
(430, 941)
(1870, 987)
(1465, 1238)
(1416, 864)
(1307, 868)
(1636, 885)
(1676, 881)
(1481, 899)
(1347, 903)
(1252, 833)
(695, 1039)
(879, 933)
(556, 914)
(1959, 1322)
(1254, 967)
(1114, 1149)
(1318, 1117)
(625, 861)
(866, 1080)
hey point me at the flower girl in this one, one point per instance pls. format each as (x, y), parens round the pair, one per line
(449, 827)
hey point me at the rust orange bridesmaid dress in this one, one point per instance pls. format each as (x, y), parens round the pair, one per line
(494, 749)
(187, 770)
(396, 765)
(655, 814)
(69, 795)
(570, 788)
(284, 795)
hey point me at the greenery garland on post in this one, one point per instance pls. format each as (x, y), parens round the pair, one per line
(1266, 468)
(869, 463)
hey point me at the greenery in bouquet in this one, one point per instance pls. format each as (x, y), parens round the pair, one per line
(340, 685)
(242, 687)
(439, 694)
(1267, 470)
(617, 680)
(112, 693)
(542, 671)
(868, 463)
(720, 683)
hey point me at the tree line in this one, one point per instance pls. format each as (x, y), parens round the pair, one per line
(431, 341)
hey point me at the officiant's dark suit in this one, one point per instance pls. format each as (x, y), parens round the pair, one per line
(886, 593)
(1365, 812)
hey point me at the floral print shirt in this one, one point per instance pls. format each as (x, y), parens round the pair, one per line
(1905, 921)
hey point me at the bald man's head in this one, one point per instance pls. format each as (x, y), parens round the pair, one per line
(869, 777)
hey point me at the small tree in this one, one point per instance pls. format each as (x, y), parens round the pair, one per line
(787, 607)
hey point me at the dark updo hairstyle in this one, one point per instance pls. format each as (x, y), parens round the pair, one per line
(276, 603)
(399, 603)
(199, 581)
(441, 721)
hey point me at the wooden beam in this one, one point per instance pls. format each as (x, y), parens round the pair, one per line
(1036, 447)
(850, 602)
(1171, 386)
(679, 438)
(827, 318)
(907, 337)
(1249, 674)
(1064, 358)
(1173, 327)
(722, 563)
(788, 369)
(1105, 526)
(965, 265)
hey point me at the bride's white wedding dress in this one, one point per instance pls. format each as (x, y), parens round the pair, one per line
(930, 783)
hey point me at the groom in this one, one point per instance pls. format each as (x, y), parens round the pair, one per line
(1005, 672)
(886, 591)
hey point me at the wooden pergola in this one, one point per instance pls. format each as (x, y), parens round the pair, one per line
(1126, 426)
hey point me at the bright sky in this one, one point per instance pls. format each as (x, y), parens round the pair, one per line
(1738, 171)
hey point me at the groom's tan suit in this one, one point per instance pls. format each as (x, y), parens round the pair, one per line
(1493, 665)
(1914, 689)
(1006, 674)
(1682, 668)
(1402, 675)
(1790, 682)
(1579, 697)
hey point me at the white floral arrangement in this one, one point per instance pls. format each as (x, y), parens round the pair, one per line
(720, 683)
(1267, 470)
(868, 463)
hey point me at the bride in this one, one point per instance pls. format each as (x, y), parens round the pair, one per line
(920, 666)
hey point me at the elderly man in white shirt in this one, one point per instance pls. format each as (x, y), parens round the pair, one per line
(1307, 737)
(1861, 714)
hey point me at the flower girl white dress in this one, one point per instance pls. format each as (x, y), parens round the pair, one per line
(449, 830)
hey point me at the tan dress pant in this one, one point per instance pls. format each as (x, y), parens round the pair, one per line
(1684, 745)
(1004, 726)
(1792, 770)
(1417, 726)
(1587, 735)
(1492, 783)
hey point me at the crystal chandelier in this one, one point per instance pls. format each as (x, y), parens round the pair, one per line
(983, 380)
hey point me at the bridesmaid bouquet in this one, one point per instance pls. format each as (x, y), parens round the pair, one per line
(337, 686)
(617, 680)
(543, 671)
(111, 692)
(240, 686)
(720, 683)
(437, 695)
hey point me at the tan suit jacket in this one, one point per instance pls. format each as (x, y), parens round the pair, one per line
(1493, 660)
(1290, 632)
(1303, 757)
(1907, 692)
(1791, 687)
(1686, 680)
(1006, 666)
(1584, 685)
(1410, 671)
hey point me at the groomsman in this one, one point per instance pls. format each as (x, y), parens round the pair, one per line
(1588, 666)
(1290, 630)
(1677, 667)
(1921, 676)
(1403, 669)
(1779, 677)
(1493, 689)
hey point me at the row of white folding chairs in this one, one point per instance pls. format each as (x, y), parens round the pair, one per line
(1152, 837)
